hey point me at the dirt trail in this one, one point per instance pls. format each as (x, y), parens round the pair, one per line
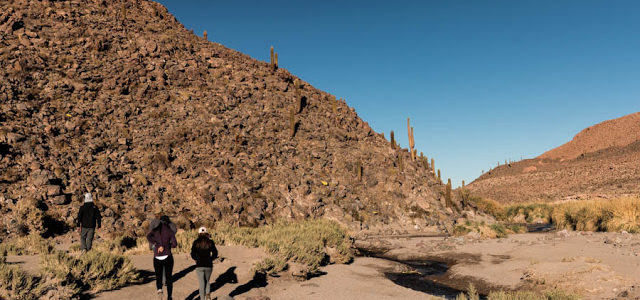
(364, 278)
(231, 276)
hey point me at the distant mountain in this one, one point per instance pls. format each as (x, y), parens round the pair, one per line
(601, 161)
(118, 98)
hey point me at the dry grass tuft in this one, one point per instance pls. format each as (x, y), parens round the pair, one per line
(27, 245)
(621, 214)
(94, 271)
(484, 230)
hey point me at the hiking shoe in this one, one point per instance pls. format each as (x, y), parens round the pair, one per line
(159, 294)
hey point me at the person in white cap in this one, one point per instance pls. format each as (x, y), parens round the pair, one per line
(204, 251)
(88, 220)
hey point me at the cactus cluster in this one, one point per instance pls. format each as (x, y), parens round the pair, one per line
(204, 35)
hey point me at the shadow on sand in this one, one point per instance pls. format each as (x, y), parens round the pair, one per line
(145, 277)
(229, 276)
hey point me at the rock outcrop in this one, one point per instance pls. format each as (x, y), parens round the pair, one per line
(118, 98)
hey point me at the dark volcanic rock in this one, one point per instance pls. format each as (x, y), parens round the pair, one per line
(151, 118)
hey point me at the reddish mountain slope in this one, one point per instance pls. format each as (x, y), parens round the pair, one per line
(602, 161)
(618, 132)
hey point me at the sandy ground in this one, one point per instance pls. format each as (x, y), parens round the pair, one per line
(593, 265)
(362, 279)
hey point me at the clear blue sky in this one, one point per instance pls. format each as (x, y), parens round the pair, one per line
(482, 81)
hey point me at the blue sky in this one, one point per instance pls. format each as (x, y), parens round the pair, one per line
(482, 81)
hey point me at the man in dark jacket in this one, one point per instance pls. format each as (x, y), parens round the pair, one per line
(88, 220)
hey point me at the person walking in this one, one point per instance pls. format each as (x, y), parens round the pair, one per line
(155, 222)
(204, 251)
(88, 220)
(162, 239)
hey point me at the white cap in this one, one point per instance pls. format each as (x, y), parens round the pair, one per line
(202, 230)
(88, 198)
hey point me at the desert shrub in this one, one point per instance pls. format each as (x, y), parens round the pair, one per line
(486, 205)
(484, 230)
(592, 215)
(530, 212)
(599, 215)
(310, 242)
(27, 245)
(17, 284)
(270, 265)
(95, 271)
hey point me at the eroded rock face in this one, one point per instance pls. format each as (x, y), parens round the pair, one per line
(151, 118)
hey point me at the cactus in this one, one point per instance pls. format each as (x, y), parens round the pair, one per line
(400, 164)
(433, 165)
(412, 142)
(204, 35)
(463, 183)
(439, 178)
(447, 193)
(359, 170)
(292, 122)
(123, 13)
(334, 107)
(272, 57)
(276, 61)
(393, 140)
(296, 90)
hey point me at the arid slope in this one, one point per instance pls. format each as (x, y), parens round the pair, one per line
(118, 98)
(600, 162)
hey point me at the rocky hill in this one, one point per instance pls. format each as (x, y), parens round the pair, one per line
(118, 98)
(600, 162)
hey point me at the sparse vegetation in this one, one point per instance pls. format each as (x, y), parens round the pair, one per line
(27, 245)
(17, 284)
(484, 230)
(311, 243)
(94, 271)
(621, 214)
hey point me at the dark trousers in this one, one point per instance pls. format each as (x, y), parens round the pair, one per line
(86, 238)
(165, 266)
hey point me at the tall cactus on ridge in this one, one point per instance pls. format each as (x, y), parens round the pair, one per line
(447, 194)
(412, 142)
(393, 140)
